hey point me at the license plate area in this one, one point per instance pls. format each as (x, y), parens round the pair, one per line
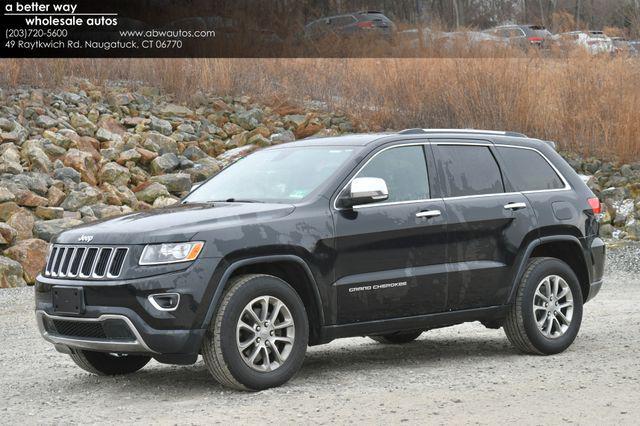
(68, 300)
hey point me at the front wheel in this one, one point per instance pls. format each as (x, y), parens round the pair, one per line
(547, 313)
(258, 337)
(107, 364)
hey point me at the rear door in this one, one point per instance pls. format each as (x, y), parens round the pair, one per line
(486, 224)
(390, 255)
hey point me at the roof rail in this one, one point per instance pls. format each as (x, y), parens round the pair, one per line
(468, 131)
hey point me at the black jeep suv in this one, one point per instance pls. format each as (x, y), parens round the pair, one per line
(384, 235)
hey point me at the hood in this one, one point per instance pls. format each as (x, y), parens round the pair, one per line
(173, 224)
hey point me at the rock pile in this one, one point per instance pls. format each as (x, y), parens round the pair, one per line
(88, 153)
(618, 187)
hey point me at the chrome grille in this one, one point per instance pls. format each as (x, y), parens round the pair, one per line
(82, 262)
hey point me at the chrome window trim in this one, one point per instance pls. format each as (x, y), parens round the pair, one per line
(392, 203)
(567, 186)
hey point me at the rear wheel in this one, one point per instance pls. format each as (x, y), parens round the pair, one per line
(108, 364)
(398, 338)
(547, 313)
(258, 338)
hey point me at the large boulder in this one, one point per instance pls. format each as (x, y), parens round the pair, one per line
(83, 162)
(7, 209)
(67, 174)
(160, 143)
(148, 192)
(55, 196)
(45, 121)
(58, 138)
(250, 119)
(48, 213)
(115, 174)
(11, 274)
(48, 229)
(6, 195)
(118, 196)
(37, 159)
(161, 126)
(7, 234)
(83, 125)
(80, 198)
(203, 169)
(171, 110)
(164, 164)
(22, 221)
(174, 182)
(26, 198)
(31, 254)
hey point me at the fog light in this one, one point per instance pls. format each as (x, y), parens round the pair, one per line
(165, 301)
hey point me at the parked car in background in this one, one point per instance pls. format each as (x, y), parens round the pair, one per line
(366, 23)
(595, 42)
(449, 41)
(523, 36)
(625, 47)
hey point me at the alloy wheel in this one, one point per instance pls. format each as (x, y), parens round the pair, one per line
(553, 306)
(265, 333)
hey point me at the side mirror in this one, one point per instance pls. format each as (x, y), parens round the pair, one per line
(365, 190)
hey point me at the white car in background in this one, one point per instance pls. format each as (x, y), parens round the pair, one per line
(595, 42)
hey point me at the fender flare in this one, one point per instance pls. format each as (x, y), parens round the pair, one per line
(527, 255)
(213, 304)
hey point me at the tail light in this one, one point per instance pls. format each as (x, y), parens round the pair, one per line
(535, 40)
(365, 24)
(594, 203)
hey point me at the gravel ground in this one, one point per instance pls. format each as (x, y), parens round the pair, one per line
(463, 374)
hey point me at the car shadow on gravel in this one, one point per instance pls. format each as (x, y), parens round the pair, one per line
(340, 359)
(421, 352)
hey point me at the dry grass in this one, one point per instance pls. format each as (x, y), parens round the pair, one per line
(590, 105)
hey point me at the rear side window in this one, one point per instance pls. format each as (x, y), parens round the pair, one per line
(529, 171)
(469, 170)
(404, 169)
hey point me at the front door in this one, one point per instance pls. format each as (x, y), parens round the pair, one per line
(390, 254)
(486, 225)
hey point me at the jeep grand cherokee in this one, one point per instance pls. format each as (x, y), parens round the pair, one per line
(380, 235)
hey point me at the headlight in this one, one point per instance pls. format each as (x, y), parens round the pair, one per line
(159, 254)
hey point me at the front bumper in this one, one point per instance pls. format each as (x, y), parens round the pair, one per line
(63, 341)
(172, 336)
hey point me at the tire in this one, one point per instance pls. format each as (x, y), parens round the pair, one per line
(106, 364)
(397, 338)
(527, 322)
(221, 347)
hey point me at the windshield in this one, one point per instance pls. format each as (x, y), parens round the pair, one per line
(276, 175)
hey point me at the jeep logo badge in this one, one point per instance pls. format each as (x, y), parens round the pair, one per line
(85, 238)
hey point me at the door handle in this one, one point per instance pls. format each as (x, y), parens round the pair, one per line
(515, 206)
(429, 213)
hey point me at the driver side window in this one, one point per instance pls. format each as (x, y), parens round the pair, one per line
(404, 169)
